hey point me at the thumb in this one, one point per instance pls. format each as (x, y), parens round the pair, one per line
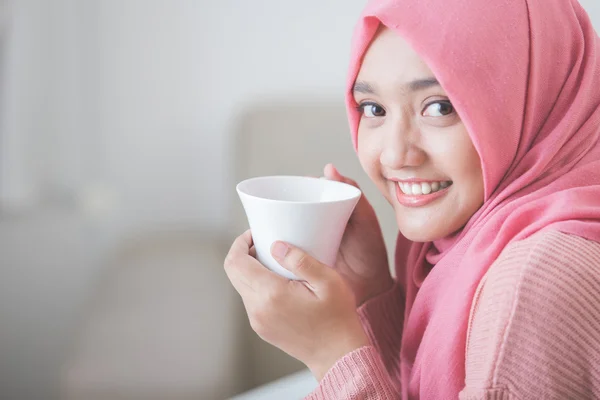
(300, 263)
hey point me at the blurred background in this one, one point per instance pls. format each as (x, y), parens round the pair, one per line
(124, 126)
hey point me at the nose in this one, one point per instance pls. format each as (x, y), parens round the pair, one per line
(400, 145)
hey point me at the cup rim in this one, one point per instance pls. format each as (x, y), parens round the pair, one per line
(356, 195)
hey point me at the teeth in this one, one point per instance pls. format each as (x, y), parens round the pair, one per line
(425, 188)
(417, 189)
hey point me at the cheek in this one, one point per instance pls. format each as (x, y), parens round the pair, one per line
(471, 171)
(454, 153)
(477, 185)
(368, 155)
(465, 169)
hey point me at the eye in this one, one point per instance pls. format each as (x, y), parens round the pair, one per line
(438, 109)
(371, 110)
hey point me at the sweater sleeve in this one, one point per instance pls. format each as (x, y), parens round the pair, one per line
(383, 321)
(371, 372)
(359, 375)
(534, 331)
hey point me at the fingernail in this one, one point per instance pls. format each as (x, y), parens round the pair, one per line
(279, 250)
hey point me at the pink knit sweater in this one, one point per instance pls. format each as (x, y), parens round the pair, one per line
(534, 330)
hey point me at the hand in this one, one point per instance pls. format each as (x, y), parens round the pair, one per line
(313, 320)
(362, 259)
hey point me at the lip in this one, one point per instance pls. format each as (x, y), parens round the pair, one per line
(417, 180)
(419, 200)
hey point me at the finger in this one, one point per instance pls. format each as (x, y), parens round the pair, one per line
(246, 274)
(332, 173)
(240, 247)
(301, 264)
(251, 279)
(363, 208)
(253, 251)
(240, 281)
(246, 238)
(242, 244)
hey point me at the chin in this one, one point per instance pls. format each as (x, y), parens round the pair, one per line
(426, 232)
(419, 236)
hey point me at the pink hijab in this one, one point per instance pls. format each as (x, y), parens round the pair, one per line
(525, 77)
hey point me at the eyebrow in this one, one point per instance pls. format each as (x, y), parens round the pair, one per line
(413, 86)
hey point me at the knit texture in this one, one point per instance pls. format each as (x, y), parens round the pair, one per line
(535, 323)
(534, 330)
(359, 375)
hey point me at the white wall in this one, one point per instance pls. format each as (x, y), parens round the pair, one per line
(593, 8)
(171, 77)
(41, 145)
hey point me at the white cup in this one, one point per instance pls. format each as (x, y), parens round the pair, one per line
(309, 213)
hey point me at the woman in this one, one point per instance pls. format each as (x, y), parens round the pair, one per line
(479, 123)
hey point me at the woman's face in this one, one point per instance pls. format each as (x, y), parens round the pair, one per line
(412, 143)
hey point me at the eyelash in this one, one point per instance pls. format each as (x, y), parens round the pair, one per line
(361, 107)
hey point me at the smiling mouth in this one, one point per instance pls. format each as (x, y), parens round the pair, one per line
(422, 188)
